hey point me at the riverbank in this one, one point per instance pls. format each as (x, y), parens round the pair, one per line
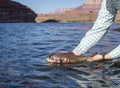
(80, 17)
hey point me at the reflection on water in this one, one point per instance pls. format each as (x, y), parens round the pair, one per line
(24, 46)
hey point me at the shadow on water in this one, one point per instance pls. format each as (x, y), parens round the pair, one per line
(24, 47)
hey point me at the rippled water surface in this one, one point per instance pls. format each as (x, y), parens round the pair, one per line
(24, 47)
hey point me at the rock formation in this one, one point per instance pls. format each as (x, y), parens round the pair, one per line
(11, 11)
(90, 6)
(93, 1)
(88, 12)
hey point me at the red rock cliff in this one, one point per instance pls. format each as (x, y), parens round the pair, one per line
(87, 12)
(11, 11)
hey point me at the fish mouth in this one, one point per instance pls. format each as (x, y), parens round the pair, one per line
(49, 60)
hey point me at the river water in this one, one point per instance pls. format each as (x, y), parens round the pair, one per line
(24, 47)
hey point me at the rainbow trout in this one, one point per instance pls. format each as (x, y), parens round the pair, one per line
(69, 56)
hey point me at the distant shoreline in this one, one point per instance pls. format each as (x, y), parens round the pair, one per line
(89, 17)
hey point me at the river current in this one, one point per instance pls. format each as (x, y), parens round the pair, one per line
(24, 47)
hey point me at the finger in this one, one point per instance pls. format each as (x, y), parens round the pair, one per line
(90, 59)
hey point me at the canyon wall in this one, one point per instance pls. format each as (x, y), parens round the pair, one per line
(87, 12)
(11, 11)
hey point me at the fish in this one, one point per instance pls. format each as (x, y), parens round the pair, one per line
(68, 56)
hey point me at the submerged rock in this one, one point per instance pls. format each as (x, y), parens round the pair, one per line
(11, 11)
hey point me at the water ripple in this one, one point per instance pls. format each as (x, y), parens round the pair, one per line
(24, 47)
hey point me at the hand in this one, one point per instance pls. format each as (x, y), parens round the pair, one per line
(97, 57)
